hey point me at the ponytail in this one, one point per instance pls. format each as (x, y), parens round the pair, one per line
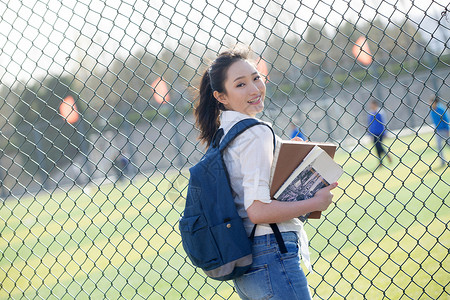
(207, 110)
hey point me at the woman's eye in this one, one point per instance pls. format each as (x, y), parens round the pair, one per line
(257, 77)
(240, 85)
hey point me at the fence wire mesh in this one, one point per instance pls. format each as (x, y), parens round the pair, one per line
(97, 135)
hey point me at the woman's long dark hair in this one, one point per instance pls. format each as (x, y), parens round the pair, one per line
(207, 109)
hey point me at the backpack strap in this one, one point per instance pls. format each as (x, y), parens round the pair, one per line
(236, 130)
(216, 138)
(278, 237)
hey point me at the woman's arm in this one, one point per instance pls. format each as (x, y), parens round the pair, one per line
(278, 211)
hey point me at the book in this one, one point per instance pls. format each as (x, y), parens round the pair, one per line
(299, 169)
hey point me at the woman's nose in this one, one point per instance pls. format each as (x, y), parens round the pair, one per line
(255, 88)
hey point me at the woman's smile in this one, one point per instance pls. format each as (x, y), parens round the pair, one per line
(256, 100)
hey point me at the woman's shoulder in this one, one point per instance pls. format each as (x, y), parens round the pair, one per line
(257, 137)
(262, 130)
(230, 118)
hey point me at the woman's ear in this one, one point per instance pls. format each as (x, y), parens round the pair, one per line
(220, 97)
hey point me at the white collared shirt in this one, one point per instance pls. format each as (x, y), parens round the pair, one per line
(248, 160)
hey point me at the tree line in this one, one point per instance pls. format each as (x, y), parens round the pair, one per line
(118, 93)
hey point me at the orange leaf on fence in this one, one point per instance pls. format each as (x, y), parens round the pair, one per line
(362, 52)
(261, 66)
(68, 110)
(161, 92)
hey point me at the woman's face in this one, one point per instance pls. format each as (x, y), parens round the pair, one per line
(244, 89)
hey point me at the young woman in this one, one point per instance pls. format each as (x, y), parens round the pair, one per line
(232, 90)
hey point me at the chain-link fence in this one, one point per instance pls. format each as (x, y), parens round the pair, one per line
(97, 135)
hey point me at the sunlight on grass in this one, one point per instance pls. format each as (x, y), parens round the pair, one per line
(385, 235)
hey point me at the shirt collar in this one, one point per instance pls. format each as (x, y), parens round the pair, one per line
(230, 116)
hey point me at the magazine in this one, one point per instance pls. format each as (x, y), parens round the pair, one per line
(316, 171)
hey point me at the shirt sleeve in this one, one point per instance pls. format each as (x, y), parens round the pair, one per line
(256, 157)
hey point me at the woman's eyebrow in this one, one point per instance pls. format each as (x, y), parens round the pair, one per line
(240, 77)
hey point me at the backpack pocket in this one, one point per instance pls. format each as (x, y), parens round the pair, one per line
(196, 239)
(232, 236)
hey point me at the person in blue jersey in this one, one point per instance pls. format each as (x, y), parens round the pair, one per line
(296, 132)
(439, 117)
(377, 128)
(232, 89)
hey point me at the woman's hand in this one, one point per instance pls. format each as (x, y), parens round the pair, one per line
(324, 197)
(281, 211)
(298, 139)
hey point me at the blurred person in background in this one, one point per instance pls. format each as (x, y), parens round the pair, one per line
(296, 132)
(377, 128)
(120, 164)
(440, 120)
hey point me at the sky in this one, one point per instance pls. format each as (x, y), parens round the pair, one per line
(40, 37)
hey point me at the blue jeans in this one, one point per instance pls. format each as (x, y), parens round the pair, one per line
(274, 275)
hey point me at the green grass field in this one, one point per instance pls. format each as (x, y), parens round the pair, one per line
(385, 237)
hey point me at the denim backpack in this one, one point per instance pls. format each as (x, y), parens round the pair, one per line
(212, 232)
